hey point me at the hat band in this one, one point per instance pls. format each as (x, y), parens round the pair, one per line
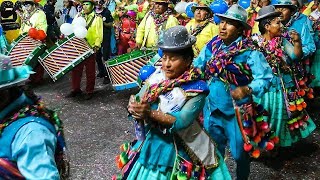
(284, 3)
(235, 15)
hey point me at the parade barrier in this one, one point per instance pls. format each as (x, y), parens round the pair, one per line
(25, 51)
(123, 70)
(64, 56)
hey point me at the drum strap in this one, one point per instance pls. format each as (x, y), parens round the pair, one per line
(146, 37)
(91, 21)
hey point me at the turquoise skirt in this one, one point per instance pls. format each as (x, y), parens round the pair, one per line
(274, 103)
(315, 69)
(141, 172)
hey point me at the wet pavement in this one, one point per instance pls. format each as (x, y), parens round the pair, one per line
(95, 129)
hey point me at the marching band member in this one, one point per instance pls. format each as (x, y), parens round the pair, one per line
(33, 17)
(156, 20)
(94, 38)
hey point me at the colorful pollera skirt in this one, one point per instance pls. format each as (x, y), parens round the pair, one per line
(274, 103)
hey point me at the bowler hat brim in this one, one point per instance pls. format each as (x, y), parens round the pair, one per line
(30, 1)
(162, 1)
(190, 42)
(269, 15)
(93, 2)
(245, 25)
(16, 82)
(290, 6)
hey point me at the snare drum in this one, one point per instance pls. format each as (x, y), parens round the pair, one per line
(123, 70)
(25, 51)
(64, 56)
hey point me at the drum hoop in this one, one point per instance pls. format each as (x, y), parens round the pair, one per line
(35, 54)
(129, 85)
(123, 59)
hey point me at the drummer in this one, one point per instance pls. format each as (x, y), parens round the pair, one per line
(201, 27)
(94, 38)
(33, 17)
(157, 19)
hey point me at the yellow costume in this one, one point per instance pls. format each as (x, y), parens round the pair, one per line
(37, 20)
(207, 33)
(255, 27)
(95, 32)
(147, 33)
(308, 10)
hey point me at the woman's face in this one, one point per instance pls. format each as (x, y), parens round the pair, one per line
(200, 14)
(174, 65)
(274, 28)
(285, 14)
(229, 30)
(160, 7)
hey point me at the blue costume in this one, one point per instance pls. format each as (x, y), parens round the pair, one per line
(158, 154)
(219, 113)
(275, 100)
(316, 60)
(31, 136)
(27, 142)
(303, 26)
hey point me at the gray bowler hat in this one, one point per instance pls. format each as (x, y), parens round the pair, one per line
(237, 13)
(267, 12)
(176, 38)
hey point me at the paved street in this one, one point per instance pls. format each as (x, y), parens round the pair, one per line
(94, 130)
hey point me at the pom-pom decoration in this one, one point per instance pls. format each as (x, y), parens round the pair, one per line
(255, 153)
(247, 147)
(255, 130)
